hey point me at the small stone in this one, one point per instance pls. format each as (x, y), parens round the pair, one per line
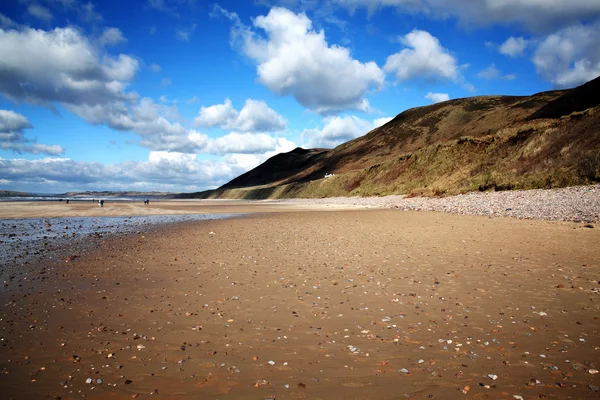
(493, 377)
(271, 362)
(593, 371)
(403, 370)
(88, 381)
(99, 381)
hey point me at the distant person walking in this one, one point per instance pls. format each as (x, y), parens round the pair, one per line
(101, 203)
(146, 202)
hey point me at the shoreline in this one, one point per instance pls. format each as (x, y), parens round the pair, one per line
(578, 203)
(342, 303)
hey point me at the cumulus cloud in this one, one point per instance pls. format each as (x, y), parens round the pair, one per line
(513, 46)
(492, 72)
(423, 58)
(248, 143)
(12, 136)
(60, 65)
(535, 15)
(437, 97)
(216, 115)
(294, 59)
(111, 37)
(570, 56)
(255, 116)
(381, 121)
(164, 171)
(338, 130)
(40, 12)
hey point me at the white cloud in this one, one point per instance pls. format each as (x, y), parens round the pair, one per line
(216, 115)
(164, 82)
(492, 72)
(162, 5)
(40, 12)
(111, 37)
(437, 97)
(249, 161)
(192, 100)
(295, 59)
(154, 67)
(6, 22)
(12, 137)
(513, 46)
(247, 143)
(424, 58)
(157, 156)
(60, 65)
(338, 130)
(381, 121)
(535, 15)
(570, 56)
(163, 171)
(88, 13)
(185, 34)
(255, 116)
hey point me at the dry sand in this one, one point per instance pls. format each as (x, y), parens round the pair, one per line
(344, 304)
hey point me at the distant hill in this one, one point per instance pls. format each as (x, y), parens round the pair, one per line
(12, 193)
(109, 193)
(549, 139)
(281, 168)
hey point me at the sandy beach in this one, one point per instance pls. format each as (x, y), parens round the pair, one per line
(369, 304)
(55, 209)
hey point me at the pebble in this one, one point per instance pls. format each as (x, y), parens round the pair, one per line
(576, 203)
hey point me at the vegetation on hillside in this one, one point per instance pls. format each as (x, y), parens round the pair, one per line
(547, 140)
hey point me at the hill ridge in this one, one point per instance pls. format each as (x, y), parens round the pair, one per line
(549, 139)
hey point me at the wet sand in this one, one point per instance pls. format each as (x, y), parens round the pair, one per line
(55, 209)
(342, 304)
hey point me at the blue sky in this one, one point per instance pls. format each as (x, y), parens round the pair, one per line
(184, 95)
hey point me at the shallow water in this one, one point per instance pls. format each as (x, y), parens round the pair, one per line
(23, 239)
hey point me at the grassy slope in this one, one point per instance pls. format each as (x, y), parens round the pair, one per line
(478, 143)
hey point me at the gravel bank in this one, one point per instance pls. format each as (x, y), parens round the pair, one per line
(578, 203)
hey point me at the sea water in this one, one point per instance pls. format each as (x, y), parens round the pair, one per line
(25, 238)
